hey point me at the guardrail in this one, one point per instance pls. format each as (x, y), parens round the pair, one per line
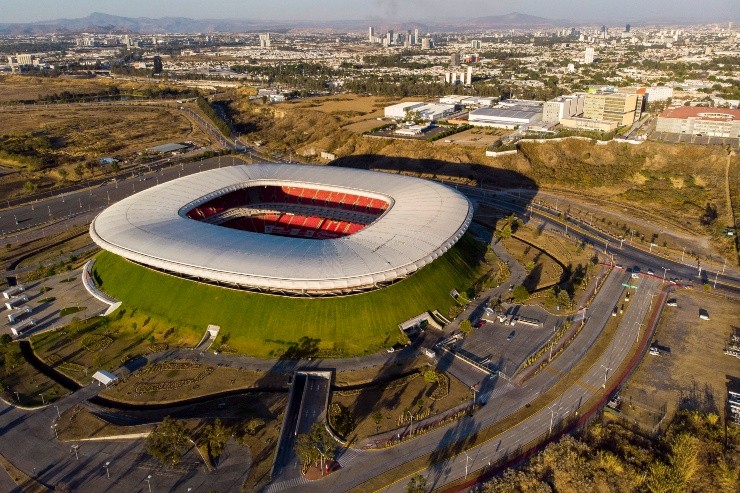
(89, 282)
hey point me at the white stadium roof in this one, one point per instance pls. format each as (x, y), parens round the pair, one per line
(424, 219)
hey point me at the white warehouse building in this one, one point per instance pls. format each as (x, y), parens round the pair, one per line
(425, 111)
(505, 117)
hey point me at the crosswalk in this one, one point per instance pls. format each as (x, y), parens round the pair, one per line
(348, 455)
(287, 484)
(496, 392)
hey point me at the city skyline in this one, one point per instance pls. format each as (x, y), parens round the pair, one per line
(382, 10)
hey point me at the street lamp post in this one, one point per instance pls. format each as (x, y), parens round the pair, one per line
(148, 482)
(665, 269)
(411, 425)
(43, 401)
(467, 459)
(56, 432)
(107, 472)
(606, 373)
(74, 448)
(57, 408)
(17, 397)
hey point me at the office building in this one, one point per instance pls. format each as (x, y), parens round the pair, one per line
(455, 60)
(371, 34)
(627, 28)
(426, 43)
(621, 108)
(416, 36)
(265, 40)
(697, 120)
(588, 57)
(476, 44)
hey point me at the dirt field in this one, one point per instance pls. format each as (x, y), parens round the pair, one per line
(72, 136)
(176, 380)
(695, 373)
(475, 137)
(18, 88)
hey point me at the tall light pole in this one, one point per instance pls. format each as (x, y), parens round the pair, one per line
(148, 482)
(716, 275)
(552, 418)
(57, 408)
(75, 447)
(682, 252)
(56, 432)
(638, 325)
(43, 401)
(411, 426)
(107, 472)
(606, 373)
(467, 459)
(665, 269)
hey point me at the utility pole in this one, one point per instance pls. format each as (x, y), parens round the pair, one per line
(606, 373)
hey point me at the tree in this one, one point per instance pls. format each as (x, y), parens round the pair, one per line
(430, 376)
(377, 417)
(5, 339)
(314, 446)
(215, 436)
(466, 327)
(417, 484)
(80, 170)
(63, 173)
(167, 442)
(520, 293)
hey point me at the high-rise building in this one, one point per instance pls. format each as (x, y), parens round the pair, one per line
(371, 33)
(627, 28)
(475, 44)
(426, 43)
(588, 57)
(416, 36)
(265, 40)
(455, 59)
(469, 76)
(389, 38)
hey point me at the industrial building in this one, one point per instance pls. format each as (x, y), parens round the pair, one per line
(696, 120)
(507, 115)
(561, 107)
(422, 111)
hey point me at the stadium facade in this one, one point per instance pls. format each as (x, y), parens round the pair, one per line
(287, 229)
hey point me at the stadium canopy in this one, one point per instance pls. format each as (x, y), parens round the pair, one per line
(424, 219)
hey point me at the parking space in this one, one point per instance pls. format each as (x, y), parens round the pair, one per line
(48, 297)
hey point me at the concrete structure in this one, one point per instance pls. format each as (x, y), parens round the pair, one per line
(588, 56)
(696, 120)
(658, 93)
(398, 111)
(621, 108)
(265, 40)
(420, 221)
(21, 60)
(167, 148)
(505, 116)
(371, 34)
(476, 44)
(563, 107)
(426, 43)
(588, 124)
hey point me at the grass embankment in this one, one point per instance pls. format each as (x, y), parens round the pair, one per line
(274, 326)
(83, 347)
(21, 383)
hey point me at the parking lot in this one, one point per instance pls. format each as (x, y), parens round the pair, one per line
(505, 347)
(694, 139)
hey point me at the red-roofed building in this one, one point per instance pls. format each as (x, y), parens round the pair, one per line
(698, 120)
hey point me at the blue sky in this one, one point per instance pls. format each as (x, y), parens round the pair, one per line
(390, 10)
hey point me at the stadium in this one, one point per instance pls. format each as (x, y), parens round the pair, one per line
(286, 229)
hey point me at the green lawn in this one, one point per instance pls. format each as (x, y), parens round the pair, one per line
(268, 326)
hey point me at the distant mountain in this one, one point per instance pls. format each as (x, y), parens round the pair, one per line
(515, 20)
(106, 23)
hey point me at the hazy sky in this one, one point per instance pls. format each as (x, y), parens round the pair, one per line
(391, 10)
